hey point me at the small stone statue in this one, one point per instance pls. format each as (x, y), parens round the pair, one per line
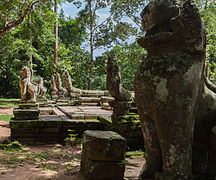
(53, 84)
(61, 90)
(54, 90)
(68, 83)
(41, 88)
(28, 88)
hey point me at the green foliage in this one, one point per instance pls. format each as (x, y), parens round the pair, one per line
(5, 117)
(11, 146)
(44, 155)
(209, 19)
(8, 102)
(73, 138)
(129, 56)
(16, 48)
(135, 154)
(72, 31)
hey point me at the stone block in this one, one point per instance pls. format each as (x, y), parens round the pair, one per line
(105, 99)
(43, 122)
(28, 106)
(104, 145)
(102, 170)
(89, 99)
(26, 114)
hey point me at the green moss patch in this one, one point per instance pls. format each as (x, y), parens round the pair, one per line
(5, 117)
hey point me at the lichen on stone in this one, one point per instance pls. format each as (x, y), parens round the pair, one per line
(162, 90)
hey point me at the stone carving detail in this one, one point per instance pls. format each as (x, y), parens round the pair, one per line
(68, 84)
(54, 90)
(171, 95)
(61, 90)
(123, 98)
(28, 89)
(113, 81)
(72, 90)
(41, 88)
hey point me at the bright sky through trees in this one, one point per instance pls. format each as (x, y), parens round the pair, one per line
(71, 10)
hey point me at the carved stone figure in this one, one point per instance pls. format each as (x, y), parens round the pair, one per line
(41, 88)
(123, 97)
(113, 81)
(68, 83)
(28, 89)
(53, 84)
(61, 90)
(72, 90)
(174, 104)
(54, 90)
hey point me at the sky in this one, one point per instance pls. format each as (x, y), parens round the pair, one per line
(71, 10)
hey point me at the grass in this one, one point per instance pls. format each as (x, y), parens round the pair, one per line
(135, 154)
(8, 102)
(6, 99)
(11, 146)
(5, 117)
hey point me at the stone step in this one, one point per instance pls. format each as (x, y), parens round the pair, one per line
(89, 99)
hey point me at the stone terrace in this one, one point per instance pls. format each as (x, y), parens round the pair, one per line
(54, 123)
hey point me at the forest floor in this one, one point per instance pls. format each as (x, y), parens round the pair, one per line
(50, 161)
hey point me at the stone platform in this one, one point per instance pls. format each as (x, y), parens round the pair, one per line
(54, 123)
(84, 112)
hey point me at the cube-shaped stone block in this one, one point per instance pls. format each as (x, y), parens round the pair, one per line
(104, 145)
(102, 170)
(29, 114)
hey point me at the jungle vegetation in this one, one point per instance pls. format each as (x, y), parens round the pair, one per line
(27, 37)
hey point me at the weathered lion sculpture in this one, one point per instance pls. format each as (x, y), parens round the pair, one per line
(28, 89)
(41, 88)
(177, 110)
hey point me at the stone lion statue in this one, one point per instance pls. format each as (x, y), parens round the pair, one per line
(177, 108)
(28, 89)
(41, 88)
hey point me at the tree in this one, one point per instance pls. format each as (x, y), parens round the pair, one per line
(109, 31)
(56, 33)
(128, 56)
(72, 31)
(13, 13)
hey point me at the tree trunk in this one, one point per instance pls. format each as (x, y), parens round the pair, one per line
(207, 70)
(91, 45)
(30, 38)
(56, 34)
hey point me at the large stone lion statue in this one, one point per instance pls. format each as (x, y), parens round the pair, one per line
(177, 108)
(28, 89)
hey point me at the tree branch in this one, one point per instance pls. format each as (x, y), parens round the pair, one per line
(102, 22)
(10, 25)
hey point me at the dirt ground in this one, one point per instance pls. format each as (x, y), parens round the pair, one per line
(48, 161)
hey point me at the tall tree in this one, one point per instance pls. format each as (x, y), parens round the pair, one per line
(91, 16)
(72, 31)
(56, 33)
(111, 29)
